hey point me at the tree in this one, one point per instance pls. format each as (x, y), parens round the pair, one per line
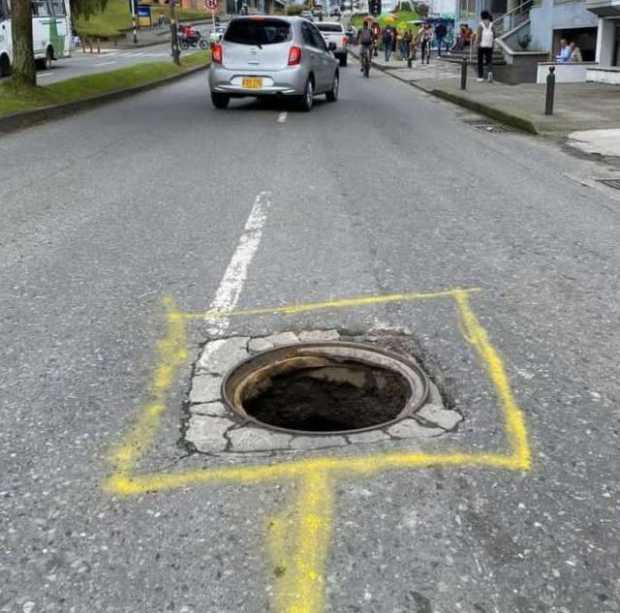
(24, 71)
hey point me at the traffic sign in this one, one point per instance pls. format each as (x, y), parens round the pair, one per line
(211, 5)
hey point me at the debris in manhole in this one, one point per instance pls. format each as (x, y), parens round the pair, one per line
(325, 388)
(346, 396)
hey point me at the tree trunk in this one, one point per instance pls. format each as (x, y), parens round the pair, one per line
(24, 70)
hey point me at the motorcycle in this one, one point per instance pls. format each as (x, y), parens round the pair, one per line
(194, 39)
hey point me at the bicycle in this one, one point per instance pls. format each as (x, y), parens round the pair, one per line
(366, 61)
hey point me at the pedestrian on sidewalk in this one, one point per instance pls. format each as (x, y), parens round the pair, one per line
(485, 39)
(440, 35)
(405, 45)
(387, 40)
(426, 39)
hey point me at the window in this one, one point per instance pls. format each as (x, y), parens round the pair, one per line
(4, 10)
(319, 41)
(306, 34)
(40, 8)
(330, 27)
(58, 8)
(258, 31)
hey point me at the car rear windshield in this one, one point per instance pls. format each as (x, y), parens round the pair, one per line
(258, 31)
(329, 27)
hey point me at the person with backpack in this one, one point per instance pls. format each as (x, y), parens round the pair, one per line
(440, 35)
(366, 44)
(388, 41)
(485, 39)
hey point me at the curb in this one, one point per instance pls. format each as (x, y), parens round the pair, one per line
(17, 121)
(514, 121)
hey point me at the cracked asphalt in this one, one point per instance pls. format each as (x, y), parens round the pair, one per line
(107, 212)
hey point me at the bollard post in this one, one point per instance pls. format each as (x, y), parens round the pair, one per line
(464, 74)
(550, 91)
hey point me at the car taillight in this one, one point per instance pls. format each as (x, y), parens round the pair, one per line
(345, 40)
(294, 56)
(217, 53)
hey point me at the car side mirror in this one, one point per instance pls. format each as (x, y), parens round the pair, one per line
(332, 46)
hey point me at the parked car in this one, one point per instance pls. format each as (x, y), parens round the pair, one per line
(335, 12)
(217, 34)
(333, 32)
(272, 56)
(307, 15)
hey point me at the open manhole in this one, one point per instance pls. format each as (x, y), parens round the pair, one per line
(325, 388)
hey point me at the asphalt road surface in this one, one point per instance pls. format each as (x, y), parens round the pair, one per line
(387, 191)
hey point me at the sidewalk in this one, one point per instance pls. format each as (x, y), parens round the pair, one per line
(578, 106)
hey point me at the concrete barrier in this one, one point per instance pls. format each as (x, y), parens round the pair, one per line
(564, 73)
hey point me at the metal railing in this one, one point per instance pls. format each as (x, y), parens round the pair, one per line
(511, 19)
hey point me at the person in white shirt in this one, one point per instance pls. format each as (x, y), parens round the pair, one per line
(485, 39)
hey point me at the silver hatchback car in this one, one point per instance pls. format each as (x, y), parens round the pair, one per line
(272, 56)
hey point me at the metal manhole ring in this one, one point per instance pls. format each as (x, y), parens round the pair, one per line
(250, 378)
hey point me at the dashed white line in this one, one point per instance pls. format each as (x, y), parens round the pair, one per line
(105, 63)
(282, 117)
(232, 282)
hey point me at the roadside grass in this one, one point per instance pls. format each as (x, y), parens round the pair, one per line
(107, 24)
(13, 100)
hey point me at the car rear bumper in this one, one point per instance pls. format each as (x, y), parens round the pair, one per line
(287, 82)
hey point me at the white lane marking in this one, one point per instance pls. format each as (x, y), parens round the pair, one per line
(105, 63)
(42, 75)
(232, 282)
(282, 117)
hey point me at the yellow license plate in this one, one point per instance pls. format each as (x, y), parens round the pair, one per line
(252, 83)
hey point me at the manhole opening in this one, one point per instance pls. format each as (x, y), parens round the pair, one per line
(323, 389)
(346, 396)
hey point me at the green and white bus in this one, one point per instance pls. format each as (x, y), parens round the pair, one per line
(51, 32)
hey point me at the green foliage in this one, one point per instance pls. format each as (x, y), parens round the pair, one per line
(399, 19)
(106, 23)
(294, 9)
(182, 14)
(86, 8)
(14, 100)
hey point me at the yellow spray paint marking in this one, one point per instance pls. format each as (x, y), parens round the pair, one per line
(301, 584)
(172, 353)
(299, 545)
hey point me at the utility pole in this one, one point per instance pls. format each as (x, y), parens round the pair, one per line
(174, 40)
(134, 20)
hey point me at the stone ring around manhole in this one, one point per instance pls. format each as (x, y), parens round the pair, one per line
(325, 388)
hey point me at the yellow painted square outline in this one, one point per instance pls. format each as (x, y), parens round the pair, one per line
(302, 589)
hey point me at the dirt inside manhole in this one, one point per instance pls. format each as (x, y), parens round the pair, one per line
(325, 389)
(346, 396)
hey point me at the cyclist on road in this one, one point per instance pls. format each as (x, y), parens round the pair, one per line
(366, 43)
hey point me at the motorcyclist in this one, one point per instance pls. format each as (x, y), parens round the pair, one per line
(366, 43)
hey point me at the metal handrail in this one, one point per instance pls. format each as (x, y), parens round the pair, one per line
(514, 10)
(517, 10)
